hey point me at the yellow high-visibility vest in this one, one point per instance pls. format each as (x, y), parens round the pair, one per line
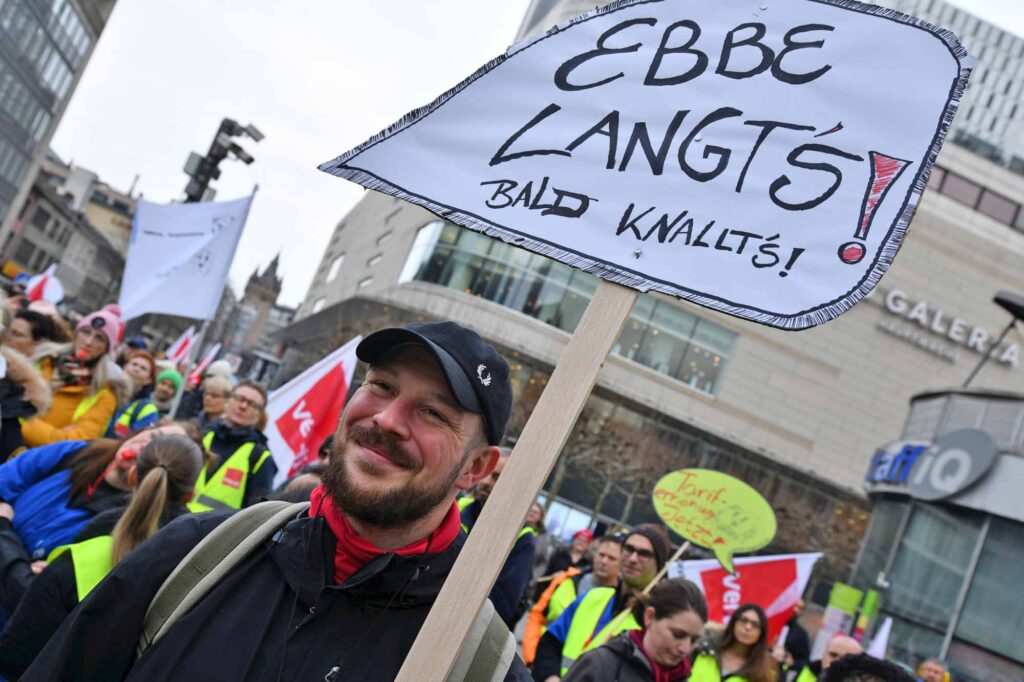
(226, 488)
(92, 559)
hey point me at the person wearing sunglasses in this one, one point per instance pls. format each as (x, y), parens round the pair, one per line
(244, 471)
(743, 653)
(603, 612)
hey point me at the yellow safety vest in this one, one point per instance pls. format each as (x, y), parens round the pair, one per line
(563, 595)
(129, 415)
(705, 669)
(85, 405)
(584, 623)
(806, 675)
(226, 489)
(464, 502)
(92, 559)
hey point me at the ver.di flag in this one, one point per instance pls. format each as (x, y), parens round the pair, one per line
(774, 583)
(179, 257)
(182, 347)
(303, 412)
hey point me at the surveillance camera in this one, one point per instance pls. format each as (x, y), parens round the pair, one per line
(253, 132)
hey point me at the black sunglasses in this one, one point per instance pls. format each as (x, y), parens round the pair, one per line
(628, 549)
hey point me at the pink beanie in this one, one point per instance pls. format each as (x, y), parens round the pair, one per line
(108, 321)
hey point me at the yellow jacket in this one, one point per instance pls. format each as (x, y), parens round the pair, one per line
(74, 415)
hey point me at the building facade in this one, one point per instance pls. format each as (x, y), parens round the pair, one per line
(44, 48)
(944, 545)
(255, 323)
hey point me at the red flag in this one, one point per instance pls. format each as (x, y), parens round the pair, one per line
(303, 412)
(182, 347)
(774, 583)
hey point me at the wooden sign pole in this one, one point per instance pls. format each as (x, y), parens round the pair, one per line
(445, 629)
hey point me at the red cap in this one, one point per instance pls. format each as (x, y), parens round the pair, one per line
(585, 533)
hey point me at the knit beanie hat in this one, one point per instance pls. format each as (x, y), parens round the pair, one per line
(219, 368)
(172, 376)
(106, 321)
(659, 540)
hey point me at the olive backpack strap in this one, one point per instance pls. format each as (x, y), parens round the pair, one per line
(210, 560)
(488, 651)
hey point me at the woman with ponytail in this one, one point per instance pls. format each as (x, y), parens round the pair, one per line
(163, 476)
(673, 617)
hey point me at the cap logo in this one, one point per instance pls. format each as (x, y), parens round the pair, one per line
(483, 375)
(98, 322)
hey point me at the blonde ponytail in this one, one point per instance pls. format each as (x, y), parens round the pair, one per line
(167, 468)
(142, 517)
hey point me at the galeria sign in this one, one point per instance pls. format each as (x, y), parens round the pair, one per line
(762, 158)
(716, 511)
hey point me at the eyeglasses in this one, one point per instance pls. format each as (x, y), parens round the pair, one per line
(628, 549)
(256, 405)
(756, 624)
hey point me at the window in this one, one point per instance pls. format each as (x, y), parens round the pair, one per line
(364, 282)
(997, 207)
(24, 253)
(961, 189)
(318, 305)
(332, 273)
(373, 260)
(40, 218)
(935, 178)
(384, 237)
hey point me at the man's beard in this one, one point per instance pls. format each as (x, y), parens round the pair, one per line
(391, 508)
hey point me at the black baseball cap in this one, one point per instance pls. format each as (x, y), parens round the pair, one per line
(477, 376)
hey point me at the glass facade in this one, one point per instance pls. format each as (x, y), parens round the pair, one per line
(658, 335)
(926, 575)
(43, 43)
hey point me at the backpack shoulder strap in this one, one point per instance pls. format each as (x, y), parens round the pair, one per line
(488, 651)
(210, 560)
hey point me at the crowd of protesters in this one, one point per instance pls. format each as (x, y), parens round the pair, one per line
(107, 492)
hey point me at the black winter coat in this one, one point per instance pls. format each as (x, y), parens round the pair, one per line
(619, 660)
(277, 616)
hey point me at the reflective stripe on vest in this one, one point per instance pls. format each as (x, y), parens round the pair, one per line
(129, 416)
(86, 404)
(705, 669)
(584, 623)
(92, 560)
(226, 489)
(464, 502)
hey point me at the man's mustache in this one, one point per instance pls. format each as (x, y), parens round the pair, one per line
(375, 439)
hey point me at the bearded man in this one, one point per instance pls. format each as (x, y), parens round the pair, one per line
(341, 591)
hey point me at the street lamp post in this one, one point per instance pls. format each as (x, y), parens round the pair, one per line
(1013, 304)
(202, 169)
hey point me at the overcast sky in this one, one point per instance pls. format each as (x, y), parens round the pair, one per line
(316, 76)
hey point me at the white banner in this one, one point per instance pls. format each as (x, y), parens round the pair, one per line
(303, 412)
(763, 162)
(179, 257)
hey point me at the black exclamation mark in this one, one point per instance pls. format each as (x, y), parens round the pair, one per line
(791, 262)
(884, 172)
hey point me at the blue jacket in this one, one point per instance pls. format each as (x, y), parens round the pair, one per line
(40, 492)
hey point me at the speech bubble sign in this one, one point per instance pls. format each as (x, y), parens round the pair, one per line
(716, 511)
(761, 162)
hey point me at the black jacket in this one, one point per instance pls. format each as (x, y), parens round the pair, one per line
(619, 660)
(277, 616)
(227, 439)
(50, 596)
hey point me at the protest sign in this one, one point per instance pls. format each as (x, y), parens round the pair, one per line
(716, 511)
(775, 583)
(179, 256)
(763, 162)
(303, 412)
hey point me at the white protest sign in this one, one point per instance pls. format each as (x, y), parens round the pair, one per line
(179, 256)
(760, 161)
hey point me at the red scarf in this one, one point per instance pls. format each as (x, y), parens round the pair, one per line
(661, 673)
(354, 552)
